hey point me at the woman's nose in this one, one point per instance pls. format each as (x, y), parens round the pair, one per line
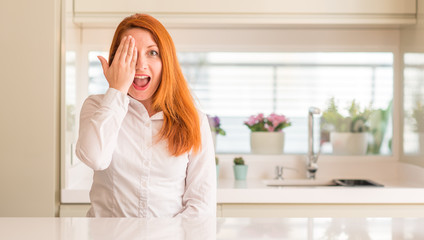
(141, 62)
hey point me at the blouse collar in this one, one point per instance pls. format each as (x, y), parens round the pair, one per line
(138, 105)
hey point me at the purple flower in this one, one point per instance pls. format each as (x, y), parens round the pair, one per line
(215, 125)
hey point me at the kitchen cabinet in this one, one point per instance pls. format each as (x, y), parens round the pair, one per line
(320, 210)
(249, 12)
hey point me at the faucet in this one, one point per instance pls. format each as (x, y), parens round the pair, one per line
(279, 172)
(312, 158)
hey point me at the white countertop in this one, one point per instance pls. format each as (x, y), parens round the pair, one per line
(403, 184)
(211, 228)
(255, 191)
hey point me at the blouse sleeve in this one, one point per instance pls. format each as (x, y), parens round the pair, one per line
(100, 120)
(200, 191)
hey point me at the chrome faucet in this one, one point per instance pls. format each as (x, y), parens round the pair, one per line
(312, 158)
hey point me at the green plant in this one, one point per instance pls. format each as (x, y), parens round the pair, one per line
(355, 121)
(378, 122)
(238, 161)
(216, 160)
(418, 116)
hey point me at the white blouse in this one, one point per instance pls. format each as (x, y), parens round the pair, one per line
(134, 176)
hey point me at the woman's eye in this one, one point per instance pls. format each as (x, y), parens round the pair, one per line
(153, 53)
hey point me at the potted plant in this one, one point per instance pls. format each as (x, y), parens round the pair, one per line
(240, 169)
(347, 133)
(378, 121)
(267, 136)
(215, 125)
(418, 123)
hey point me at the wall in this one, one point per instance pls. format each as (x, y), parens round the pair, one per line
(29, 103)
(412, 41)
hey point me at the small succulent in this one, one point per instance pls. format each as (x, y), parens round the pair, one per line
(238, 161)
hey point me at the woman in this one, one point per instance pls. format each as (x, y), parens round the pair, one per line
(150, 149)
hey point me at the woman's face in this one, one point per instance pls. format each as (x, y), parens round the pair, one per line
(148, 69)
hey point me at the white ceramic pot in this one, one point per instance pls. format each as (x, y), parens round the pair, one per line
(214, 139)
(347, 143)
(267, 142)
(421, 143)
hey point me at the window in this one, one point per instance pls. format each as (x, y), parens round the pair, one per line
(413, 133)
(235, 85)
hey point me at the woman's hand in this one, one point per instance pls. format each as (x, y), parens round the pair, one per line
(120, 74)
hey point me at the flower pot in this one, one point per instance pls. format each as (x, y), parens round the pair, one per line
(217, 172)
(240, 172)
(421, 143)
(267, 142)
(214, 139)
(347, 143)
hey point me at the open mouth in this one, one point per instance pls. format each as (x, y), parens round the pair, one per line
(141, 82)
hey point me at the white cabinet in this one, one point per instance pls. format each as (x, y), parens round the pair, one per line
(320, 210)
(249, 12)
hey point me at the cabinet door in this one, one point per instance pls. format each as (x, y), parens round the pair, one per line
(322, 210)
(248, 6)
(251, 12)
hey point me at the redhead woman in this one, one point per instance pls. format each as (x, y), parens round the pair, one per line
(150, 148)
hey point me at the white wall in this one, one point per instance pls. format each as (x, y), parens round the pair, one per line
(29, 104)
(412, 41)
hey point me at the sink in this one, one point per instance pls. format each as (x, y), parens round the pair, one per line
(299, 183)
(321, 183)
(357, 183)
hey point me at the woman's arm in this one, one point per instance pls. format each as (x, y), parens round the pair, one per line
(100, 120)
(200, 191)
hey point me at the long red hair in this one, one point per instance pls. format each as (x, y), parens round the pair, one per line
(181, 126)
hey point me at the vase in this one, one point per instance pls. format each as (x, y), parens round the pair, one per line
(214, 139)
(217, 172)
(240, 172)
(421, 143)
(267, 142)
(347, 143)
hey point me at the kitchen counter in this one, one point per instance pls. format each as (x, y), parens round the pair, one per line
(403, 184)
(255, 191)
(211, 228)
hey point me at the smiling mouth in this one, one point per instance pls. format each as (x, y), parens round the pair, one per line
(141, 82)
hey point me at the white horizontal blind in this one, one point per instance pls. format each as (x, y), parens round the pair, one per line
(413, 93)
(235, 85)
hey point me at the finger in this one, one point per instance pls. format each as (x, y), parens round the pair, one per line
(130, 50)
(104, 63)
(119, 50)
(134, 58)
(125, 47)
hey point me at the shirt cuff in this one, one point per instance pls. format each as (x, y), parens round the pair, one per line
(115, 100)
